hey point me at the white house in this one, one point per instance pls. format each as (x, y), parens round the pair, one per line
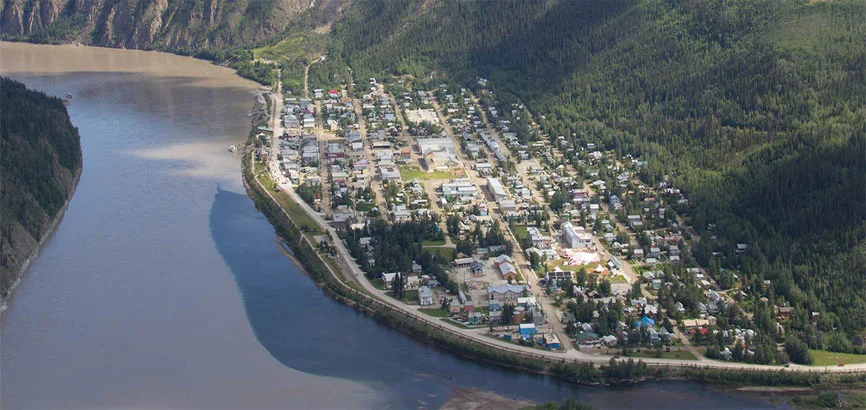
(425, 296)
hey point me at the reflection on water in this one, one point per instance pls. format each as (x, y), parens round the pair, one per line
(163, 286)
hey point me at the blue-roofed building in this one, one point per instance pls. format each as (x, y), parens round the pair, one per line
(645, 322)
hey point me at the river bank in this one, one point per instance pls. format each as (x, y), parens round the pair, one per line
(5, 302)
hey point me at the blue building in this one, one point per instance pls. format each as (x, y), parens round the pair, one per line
(527, 330)
(645, 322)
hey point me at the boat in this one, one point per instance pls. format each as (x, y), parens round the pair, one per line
(68, 96)
(233, 148)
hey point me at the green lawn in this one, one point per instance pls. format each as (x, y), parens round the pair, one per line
(435, 312)
(825, 358)
(410, 173)
(410, 296)
(673, 354)
(519, 232)
(378, 284)
(619, 279)
(433, 243)
(444, 252)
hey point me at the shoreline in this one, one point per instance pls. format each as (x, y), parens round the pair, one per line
(52, 229)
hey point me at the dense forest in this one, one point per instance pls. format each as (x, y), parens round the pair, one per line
(754, 108)
(41, 158)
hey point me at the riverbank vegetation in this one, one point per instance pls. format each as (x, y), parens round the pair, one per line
(41, 161)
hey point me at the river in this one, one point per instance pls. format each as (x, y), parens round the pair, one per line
(163, 286)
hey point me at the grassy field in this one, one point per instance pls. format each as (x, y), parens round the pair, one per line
(410, 296)
(410, 173)
(825, 358)
(433, 243)
(434, 312)
(378, 284)
(618, 279)
(444, 252)
(673, 354)
(519, 232)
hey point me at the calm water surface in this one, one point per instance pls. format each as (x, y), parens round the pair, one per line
(164, 288)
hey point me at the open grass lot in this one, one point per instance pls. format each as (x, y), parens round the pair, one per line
(434, 312)
(378, 284)
(410, 296)
(410, 173)
(519, 232)
(444, 252)
(825, 358)
(673, 354)
(619, 279)
(433, 243)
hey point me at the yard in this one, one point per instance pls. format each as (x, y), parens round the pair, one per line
(825, 358)
(619, 279)
(429, 242)
(519, 232)
(673, 354)
(410, 296)
(378, 284)
(410, 173)
(444, 252)
(435, 312)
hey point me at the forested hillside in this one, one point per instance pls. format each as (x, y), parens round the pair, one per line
(41, 159)
(756, 108)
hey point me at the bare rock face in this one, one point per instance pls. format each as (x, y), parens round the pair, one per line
(148, 24)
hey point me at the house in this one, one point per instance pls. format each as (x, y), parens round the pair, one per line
(477, 268)
(645, 322)
(389, 173)
(551, 341)
(536, 237)
(575, 237)
(502, 259)
(388, 278)
(400, 213)
(508, 271)
(609, 340)
(557, 274)
(527, 330)
(463, 262)
(425, 296)
(637, 254)
(784, 312)
(588, 339)
(507, 205)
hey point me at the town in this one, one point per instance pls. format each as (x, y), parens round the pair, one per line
(450, 202)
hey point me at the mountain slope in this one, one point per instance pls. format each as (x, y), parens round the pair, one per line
(151, 24)
(41, 161)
